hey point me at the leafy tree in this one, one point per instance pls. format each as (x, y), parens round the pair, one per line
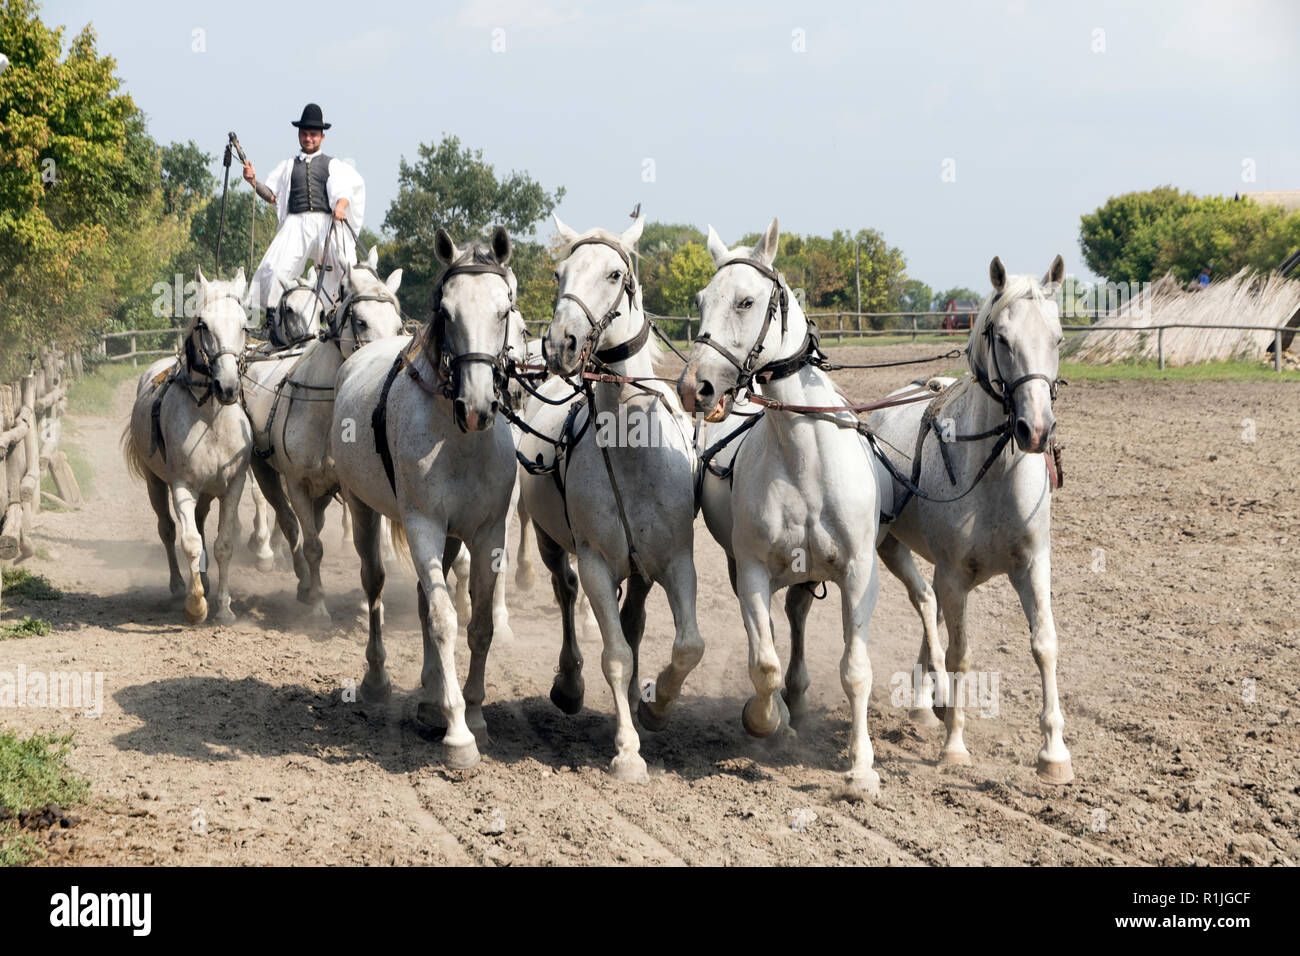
(187, 180)
(915, 296)
(79, 173)
(1115, 238)
(940, 302)
(452, 187)
(240, 203)
(687, 272)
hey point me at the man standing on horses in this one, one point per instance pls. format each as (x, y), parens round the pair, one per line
(317, 198)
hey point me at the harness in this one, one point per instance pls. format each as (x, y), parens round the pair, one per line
(445, 364)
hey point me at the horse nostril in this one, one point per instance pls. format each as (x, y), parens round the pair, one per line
(571, 342)
(462, 409)
(705, 389)
(1022, 432)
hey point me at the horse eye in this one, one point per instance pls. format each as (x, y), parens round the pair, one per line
(747, 303)
(615, 276)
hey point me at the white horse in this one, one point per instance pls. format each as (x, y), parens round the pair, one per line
(627, 490)
(442, 471)
(1003, 524)
(292, 407)
(190, 441)
(804, 502)
(299, 312)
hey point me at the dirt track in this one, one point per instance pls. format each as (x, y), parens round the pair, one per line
(1176, 760)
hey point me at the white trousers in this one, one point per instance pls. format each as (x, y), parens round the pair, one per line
(301, 237)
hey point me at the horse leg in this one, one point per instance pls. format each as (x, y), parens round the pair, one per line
(858, 592)
(798, 600)
(347, 524)
(500, 613)
(485, 582)
(312, 551)
(375, 686)
(951, 591)
(1034, 585)
(268, 479)
(764, 712)
(227, 533)
(524, 572)
(600, 583)
(201, 509)
(688, 646)
(928, 660)
(259, 542)
(159, 497)
(438, 674)
(632, 620)
(196, 605)
(459, 562)
(567, 689)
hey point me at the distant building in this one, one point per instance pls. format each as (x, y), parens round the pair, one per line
(1288, 199)
(960, 313)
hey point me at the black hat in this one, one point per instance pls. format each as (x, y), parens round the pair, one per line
(311, 118)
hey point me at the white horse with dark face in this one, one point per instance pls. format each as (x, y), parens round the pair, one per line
(997, 421)
(190, 441)
(624, 499)
(291, 407)
(442, 470)
(804, 500)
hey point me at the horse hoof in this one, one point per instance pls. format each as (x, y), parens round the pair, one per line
(375, 691)
(954, 758)
(177, 586)
(460, 756)
(266, 565)
(648, 719)
(924, 717)
(303, 595)
(1055, 771)
(319, 615)
(196, 612)
(501, 633)
(629, 768)
(753, 728)
(428, 714)
(569, 701)
(524, 578)
(862, 784)
(224, 616)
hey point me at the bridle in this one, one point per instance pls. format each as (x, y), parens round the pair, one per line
(345, 312)
(283, 310)
(749, 369)
(996, 386)
(447, 365)
(617, 353)
(200, 358)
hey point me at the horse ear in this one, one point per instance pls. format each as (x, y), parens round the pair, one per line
(629, 238)
(372, 260)
(765, 251)
(1055, 272)
(997, 274)
(240, 285)
(202, 280)
(501, 245)
(717, 248)
(444, 248)
(568, 235)
(311, 275)
(394, 280)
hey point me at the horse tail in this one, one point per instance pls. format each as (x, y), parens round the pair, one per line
(135, 462)
(397, 535)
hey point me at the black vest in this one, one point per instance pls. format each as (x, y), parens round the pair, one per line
(307, 192)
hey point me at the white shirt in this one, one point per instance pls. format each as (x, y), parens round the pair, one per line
(344, 183)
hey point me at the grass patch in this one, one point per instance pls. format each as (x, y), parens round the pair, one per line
(22, 583)
(27, 627)
(93, 394)
(34, 772)
(1148, 371)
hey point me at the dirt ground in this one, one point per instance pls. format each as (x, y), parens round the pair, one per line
(1178, 676)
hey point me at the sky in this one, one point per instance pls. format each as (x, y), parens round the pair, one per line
(960, 131)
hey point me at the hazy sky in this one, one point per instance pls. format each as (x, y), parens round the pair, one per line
(828, 115)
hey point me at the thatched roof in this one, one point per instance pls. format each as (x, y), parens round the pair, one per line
(1244, 299)
(1288, 199)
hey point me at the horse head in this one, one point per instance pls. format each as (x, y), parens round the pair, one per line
(1012, 350)
(368, 309)
(214, 340)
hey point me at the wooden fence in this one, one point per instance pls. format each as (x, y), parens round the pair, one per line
(31, 426)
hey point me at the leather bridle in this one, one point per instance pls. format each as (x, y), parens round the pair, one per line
(345, 312)
(283, 310)
(996, 386)
(446, 364)
(196, 345)
(617, 353)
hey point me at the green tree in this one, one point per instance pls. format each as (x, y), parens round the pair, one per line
(79, 175)
(1115, 238)
(915, 296)
(687, 272)
(187, 180)
(240, 203)
(451, 187)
